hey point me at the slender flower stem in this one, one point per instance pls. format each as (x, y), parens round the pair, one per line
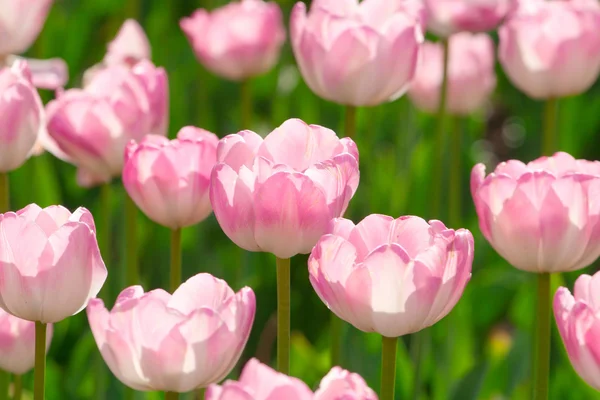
(4, 193)
(455, 200)
(283, 315)
(350, 122)
(388, 368)
(541, 367)
(171, 396)
(201, 394)
(175, 259)
(4, 384)
(40, 361)
(549, 145)
(105, 216)
(439, 149)
(131, 262)
(418, 344)
(17, 387)
(336, 340)
(246, 95)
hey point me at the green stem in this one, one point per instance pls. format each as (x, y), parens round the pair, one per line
(39, 370)
(131, 261)
(4, 384)
(418, 345)
(105, 216)
(17, 387)
(4, 193)
(350, 121)
(541, 367)
(246, 95)
(283, 315)
(549, 145)
(201, 394)
(436, 198)
(175, 259)
(388, 368)
(171, 396)
(336, 340)
(454, 200)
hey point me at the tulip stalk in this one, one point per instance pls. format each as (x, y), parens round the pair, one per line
(388, 368)
(455, 200)
(4, 197)
(4, 384)
(350, 121)
(175, 276)
(336, 340)
(40, 361)
(541, 367)
(171, 396)
(283, 315)
(201, 394)
(17, 387)
(104, 233)
(246, 94)
(131, 261)
(550, 139)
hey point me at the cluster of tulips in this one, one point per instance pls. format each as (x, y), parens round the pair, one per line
(286, 193)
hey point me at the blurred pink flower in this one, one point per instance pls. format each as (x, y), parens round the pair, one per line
(17, 343)
(278, 194)
(471, 75)
(391, 276)
(130, 46)
(239, 40)
(340, 384)
(360, 54)
(445, 17)
(543, 216)
(551, 49)
(169, 180)
(174, 343)
(50, 265)
(578, 322)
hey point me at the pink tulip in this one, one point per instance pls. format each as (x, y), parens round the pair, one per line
(391, 276)
(239, 40)
(260, 382)
(94, 125)
(445, 17)
(21, 116)
(17, 343)
(50, 265)
(471, 75)
(542, 216)
(359, 54)
(552, 49)
(340, 384)
(20, 24)
(130, 46)
(278, 194)
(174, 343)
(578, 322)
(169, 180)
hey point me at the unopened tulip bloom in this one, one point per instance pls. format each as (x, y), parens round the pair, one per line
(391, 276)
(169, 180)
(340, 384)
(17, 343)
(278, 194)
(21, 116)
(174, 343)
(577, 317)
(358, 54)
(551, 49)
(239, 40)
(129, 46)
(260, 382)
(445, 17)
(50, 265)
(471, 75)
(93, 125)
(543, 216)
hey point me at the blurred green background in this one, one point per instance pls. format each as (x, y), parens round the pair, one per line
(480, 351)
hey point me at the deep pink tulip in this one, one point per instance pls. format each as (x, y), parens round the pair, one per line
(340, 384)
(359, 54)
(174, 343)
(578, 322)
(130, 46)
(445, 17)
(17, 343)
(260, 382)
(93, 125)
(169, 180)
(552, 49)
(391, 276)
(21, 116)
(50, 265)
(543, 216)
(471, 75)
(278, 194)
(239, 40)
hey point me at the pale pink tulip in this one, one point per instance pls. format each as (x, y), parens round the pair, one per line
(20, 24)
(543, 216)
(239, 40)
(260, 382)
(552, 49)
(130, 46)
(391, 276)
(50, 265)
(359, 54)
(278, 194)
(445, 17)
(93, 125)
(340, 384)
(174, 343)
(169, 180)
(21, 116)
(471, 75)
(578, 320)
(17, 343)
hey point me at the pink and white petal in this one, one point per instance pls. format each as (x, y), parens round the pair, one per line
(414, 234)
(201, 290)
(341, 227)
(370, 233)
(239, 149)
